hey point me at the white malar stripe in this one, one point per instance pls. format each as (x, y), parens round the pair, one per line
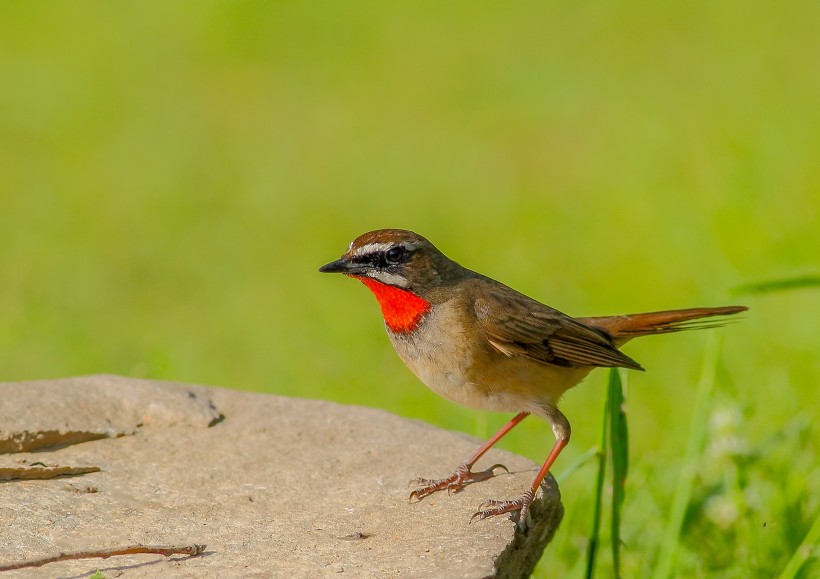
(388, 278)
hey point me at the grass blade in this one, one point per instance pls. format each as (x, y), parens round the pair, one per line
(592, 547)
(667, 555)
(582, 460)
(778, 285)
(619, 446)
(803, 552)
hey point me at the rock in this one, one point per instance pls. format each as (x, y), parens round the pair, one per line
(43, 414)
(273, 486)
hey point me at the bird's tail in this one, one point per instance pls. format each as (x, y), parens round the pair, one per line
(623, 328)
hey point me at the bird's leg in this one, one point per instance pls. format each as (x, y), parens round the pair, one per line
(463, 473)
(517, 508)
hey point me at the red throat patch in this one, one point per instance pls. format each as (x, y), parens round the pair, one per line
(402, 310)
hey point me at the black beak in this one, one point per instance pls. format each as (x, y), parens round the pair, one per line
(339, 266)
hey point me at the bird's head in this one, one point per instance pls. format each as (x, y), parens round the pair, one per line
(395, 257)
(403, 270)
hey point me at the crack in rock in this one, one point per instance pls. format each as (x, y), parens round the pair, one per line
(28, 441)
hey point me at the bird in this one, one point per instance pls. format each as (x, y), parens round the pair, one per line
(484, 345)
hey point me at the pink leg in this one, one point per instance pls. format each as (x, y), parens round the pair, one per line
(518, 507)
(463, 474)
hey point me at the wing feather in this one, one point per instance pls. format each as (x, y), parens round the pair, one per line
(516, 325)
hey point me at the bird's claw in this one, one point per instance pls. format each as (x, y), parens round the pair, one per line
(453, 483)
(517, 508)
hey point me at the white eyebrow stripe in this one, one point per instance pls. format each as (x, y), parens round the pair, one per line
(372, 248)
(380, 247)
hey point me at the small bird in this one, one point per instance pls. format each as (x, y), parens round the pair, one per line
(481, 344)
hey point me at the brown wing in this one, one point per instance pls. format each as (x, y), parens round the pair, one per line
(516, 325)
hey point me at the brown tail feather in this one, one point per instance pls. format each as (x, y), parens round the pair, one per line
(623, 328)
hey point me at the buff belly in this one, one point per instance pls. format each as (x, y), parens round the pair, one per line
(480, 378)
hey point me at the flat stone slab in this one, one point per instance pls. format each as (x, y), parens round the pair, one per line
(61, 412)
(274, 486)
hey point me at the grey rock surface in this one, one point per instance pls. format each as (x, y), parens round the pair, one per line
(276, 487)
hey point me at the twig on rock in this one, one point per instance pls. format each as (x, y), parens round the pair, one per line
(31, 472)
(191, 550)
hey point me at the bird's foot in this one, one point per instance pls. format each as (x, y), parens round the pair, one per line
(453, 483)
(517, 508)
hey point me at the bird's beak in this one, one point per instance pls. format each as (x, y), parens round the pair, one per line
(341, 265)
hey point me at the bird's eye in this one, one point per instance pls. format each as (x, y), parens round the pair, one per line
(394, 255)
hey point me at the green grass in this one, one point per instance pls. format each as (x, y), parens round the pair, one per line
(619, 449)
(594, 543)
(615, 446)
(698, 432)
(173, 174)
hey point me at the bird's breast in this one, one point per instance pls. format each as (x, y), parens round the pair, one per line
(449, 353)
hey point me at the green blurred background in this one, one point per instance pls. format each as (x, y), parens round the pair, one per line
(172, 174)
